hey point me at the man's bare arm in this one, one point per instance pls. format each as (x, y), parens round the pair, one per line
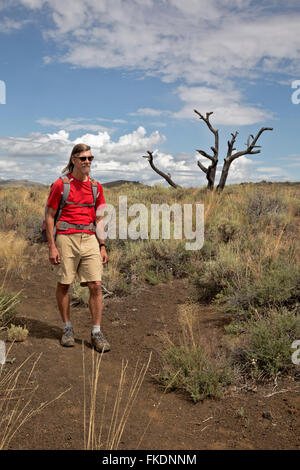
(54, 256)
(100, 236)
(50, 226)
(100, 228)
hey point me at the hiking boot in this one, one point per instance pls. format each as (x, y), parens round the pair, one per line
(67, 338)
(99, 342)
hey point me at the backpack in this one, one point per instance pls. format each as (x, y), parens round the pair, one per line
(64, 200)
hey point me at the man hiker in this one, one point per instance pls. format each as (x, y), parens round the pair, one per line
(76, 249)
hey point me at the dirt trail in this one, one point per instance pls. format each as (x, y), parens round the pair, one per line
(133, 326)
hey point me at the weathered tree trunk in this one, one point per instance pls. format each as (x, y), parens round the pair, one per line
(210, 171)
(232, 156)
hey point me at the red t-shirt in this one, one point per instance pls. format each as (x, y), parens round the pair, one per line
(80, 192)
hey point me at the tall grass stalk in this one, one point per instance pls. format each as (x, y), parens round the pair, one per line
(94, 435)
(7, 304)
(15, 400)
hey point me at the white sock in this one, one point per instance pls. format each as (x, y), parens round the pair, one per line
(95, 329)
(67, 324)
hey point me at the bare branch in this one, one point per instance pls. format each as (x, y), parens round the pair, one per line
(251, 145)
(248, 141)
(204, 154)
(202, 167)
(211, 170)
(249, 150)
(167, 177)
(230, 144)
(206, 120)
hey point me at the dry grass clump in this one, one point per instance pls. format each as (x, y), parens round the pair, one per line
(13, 252)
(17, 388)
(98, 435)
(22, 210)
(188, 367)
(8, 302)
(17, 333)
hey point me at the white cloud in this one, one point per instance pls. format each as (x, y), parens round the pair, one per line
(33, 3)
(41, 157)
(149, 112)
(225, 104)
(201, 41)
(73, 124)
(269, 168)
(8, 25)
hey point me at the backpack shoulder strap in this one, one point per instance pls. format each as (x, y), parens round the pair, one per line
(94, 188)
(66, 190)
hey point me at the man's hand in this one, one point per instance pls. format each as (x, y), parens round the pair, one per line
(54, 256)
(103, 254)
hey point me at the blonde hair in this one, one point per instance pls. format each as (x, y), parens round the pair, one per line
(78, 148)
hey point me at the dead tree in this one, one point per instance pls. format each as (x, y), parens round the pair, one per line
(251, 145)
(167, 176)
(210, 171)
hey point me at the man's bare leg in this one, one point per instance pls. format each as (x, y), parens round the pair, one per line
(96, 301)
(63, 301)
(96, 306)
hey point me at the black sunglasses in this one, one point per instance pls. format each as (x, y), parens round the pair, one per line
(83, 159)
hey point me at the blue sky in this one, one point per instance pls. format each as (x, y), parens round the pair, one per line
(125, 76)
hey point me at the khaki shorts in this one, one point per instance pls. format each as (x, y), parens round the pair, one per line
(79, 256)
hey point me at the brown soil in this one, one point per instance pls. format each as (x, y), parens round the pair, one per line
(263, 417)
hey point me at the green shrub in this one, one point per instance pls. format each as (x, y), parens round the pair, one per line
(8, 303)
(187, 368)
(236, 327)
(267, 350)
(260, 203)
(151, 277)
(278, 287)
(168, 257)
(212, 277)
(228, 231)
(158, 260)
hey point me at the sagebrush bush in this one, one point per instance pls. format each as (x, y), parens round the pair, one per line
(212, 277)
(260, 203)
(188, 368)
(278, 286)
(267, 350)
(154, 259)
